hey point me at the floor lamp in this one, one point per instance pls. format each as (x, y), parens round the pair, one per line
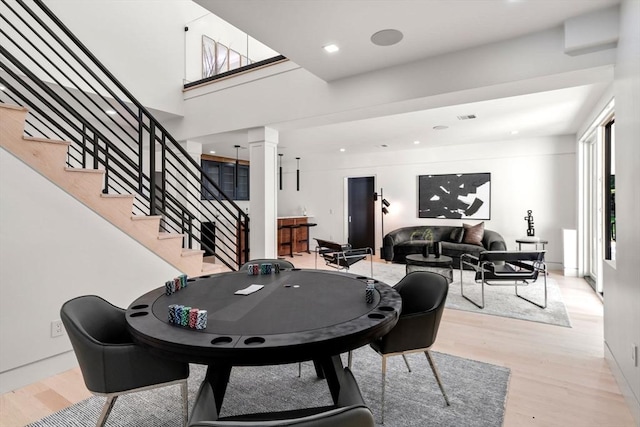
(384, 204)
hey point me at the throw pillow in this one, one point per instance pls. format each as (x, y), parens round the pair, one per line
(473, 234)
(417, 235)
(456, 235)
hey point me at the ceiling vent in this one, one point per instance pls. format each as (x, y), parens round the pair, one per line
(467, 117)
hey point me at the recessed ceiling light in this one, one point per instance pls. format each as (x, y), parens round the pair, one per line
(386, 37)
(467, 117)
(342, 150)
(514, 132)
(384, 146)
(110, 112)
(416, 142)
(212, 152)
(440, 127)
(331, 48)
(2, 88)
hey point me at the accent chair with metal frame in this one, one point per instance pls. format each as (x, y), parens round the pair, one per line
(111, 364)
(349, 411)
(340, 256)
(510, 268)
(424, 294)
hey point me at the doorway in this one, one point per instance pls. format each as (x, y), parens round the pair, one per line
(361, 212)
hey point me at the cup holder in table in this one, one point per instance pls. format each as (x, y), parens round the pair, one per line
(386, 308)
(140, 306)
(191, 280)
(362, 278)
(254, 341)
(221, 340)
(139, 314)
(376, 316)
(296, 269)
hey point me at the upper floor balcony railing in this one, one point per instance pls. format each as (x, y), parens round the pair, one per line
(215, 48)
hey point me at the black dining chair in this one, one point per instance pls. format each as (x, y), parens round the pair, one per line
(423, 297)
(349, 411)
(281, 262)
(111, 364)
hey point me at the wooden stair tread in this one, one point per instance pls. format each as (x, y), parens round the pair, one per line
(144, 217)
(164, 235)
(46, 140)
(191, 252)
(13, 107)
(98, 171)
(117, 196)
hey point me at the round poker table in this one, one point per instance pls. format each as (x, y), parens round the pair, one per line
(297, 315)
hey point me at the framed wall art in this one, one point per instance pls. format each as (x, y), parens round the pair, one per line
(455, 196)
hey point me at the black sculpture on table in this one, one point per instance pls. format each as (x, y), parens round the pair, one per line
(530, 230)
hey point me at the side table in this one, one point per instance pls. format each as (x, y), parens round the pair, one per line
(442, 265)
(531, 241)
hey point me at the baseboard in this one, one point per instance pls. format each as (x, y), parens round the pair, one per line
(36, 371)
(627, 392)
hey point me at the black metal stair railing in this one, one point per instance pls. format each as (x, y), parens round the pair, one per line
(71, 96)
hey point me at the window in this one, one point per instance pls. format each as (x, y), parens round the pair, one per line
(610, 190)
(223, 173)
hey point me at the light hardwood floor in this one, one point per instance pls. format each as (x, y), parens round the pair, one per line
(558, 375)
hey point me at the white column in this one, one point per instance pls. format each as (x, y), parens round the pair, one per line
(263, 194)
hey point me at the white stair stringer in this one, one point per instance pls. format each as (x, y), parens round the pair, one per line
(48, 157)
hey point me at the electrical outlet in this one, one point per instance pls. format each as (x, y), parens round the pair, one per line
(634, 354)
(56, 328)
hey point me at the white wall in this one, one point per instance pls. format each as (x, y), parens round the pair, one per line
(535, 174)
(141, 42)
(622, 277)
(52, 249)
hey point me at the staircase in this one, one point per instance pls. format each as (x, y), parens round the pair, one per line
(49, 158)
(117, 158)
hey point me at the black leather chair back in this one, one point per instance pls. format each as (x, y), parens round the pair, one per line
(423, 299)
(281, 262)
(109, 360)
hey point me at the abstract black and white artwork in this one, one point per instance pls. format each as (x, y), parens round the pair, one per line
(455, 196)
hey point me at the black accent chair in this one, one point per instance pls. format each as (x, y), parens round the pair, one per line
(424, 294)
(111, 364)
(339, 256)
(349, 411)
(516, 268)
(281, 262)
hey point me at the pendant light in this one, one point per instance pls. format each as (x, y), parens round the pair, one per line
(280, 170)
(298, 174)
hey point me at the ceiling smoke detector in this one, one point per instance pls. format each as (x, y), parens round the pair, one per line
(467, 117)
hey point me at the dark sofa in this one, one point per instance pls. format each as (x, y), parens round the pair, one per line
(411, 240)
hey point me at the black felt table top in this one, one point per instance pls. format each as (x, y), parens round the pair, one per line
(297, 315)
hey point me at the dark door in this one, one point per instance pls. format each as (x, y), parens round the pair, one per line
(362, 226)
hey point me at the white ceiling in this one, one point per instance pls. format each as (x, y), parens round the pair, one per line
(299, 28)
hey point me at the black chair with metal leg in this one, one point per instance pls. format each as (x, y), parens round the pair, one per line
(282, 263)
(111, 364)
(515, 268)
(423, 297)
(349, 411)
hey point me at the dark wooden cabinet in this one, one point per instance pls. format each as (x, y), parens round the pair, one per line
(299, 235)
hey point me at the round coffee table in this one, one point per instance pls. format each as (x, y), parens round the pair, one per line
(442, 265)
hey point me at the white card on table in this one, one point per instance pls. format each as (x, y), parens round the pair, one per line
(249, 290)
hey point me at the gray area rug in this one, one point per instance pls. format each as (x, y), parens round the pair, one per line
(477, 392)
(499, 300)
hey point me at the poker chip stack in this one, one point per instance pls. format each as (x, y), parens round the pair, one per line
(201, 322)
(276, 268)
(368, 293)
(193, 317)
(177, 283)
(266, 268)
(186, 316)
